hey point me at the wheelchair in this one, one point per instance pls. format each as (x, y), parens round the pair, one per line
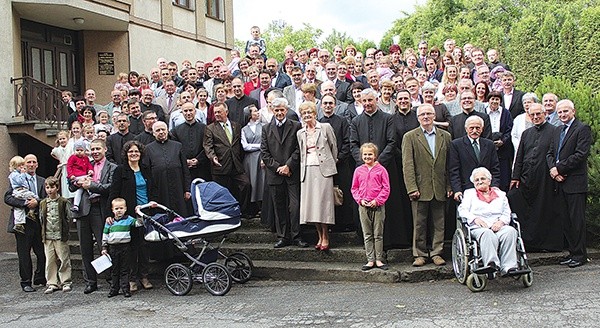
(467, 262)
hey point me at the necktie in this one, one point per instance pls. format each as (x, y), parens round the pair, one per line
(476, 149)
(169, 103)
(563, 133)
(227, 132)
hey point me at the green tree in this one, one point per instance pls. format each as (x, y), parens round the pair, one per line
(279, 34)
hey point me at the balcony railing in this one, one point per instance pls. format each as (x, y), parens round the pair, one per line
(38, 101)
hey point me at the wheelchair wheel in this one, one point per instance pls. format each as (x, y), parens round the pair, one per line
(178, 279)
(460, 259)
(527, 279)
(476, 283)
(240, 267)
(216, 279)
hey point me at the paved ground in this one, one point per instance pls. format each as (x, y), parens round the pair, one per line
(560, 297)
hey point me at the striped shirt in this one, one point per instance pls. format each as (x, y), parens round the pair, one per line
(119, 231)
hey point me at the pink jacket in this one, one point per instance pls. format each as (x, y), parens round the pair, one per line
(371, 184)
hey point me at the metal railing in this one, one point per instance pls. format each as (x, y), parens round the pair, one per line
(38, 101)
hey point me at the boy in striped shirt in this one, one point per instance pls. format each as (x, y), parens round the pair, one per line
(115, 242)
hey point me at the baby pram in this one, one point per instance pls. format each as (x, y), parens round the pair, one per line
(217, 213)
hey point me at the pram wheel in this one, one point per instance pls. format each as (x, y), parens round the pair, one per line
(216, 279)
(476, 283)
(178, 279)
(240, 267)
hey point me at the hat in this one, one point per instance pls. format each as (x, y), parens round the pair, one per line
(79, 144)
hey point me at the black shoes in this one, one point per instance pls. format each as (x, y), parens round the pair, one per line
(114, 293)
(383, 267)
(281, 243)
(575, 263)
(367, 267)
(127, 293)
(28, 289)
(90, 289)
(301, 243)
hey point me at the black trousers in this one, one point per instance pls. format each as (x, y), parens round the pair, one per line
(32, 239)
(239, 186)
(138, 255)
(286, 204)
(574, 224)
(88, 228)
(119, 255)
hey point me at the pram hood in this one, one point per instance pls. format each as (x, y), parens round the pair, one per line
(213, 202)
(216, 212)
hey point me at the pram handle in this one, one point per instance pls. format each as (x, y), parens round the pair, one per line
(152, 204)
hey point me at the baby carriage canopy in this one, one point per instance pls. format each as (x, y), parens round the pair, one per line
(217, 212)
(213, 202)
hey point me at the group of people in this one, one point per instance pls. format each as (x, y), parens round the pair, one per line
(400, 135)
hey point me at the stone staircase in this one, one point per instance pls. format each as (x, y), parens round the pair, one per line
(341, 263)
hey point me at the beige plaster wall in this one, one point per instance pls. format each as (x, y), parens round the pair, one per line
(102, 41)
(146, 9)
(147, 45)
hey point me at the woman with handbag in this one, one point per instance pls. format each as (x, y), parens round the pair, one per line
(318, 156)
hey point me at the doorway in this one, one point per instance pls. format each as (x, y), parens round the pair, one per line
(51, 55)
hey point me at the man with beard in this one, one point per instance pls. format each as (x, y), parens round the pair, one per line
(532, 194)
(170, 173)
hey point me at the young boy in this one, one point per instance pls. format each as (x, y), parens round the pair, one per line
(79, 167)
(55, 233)
(370, 189)
(257, 40)
(115, 242)
(20, 186)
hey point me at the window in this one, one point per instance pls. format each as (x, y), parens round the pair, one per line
(214, 9)
(188, 4)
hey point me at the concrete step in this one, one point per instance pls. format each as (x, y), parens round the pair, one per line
(344, 271)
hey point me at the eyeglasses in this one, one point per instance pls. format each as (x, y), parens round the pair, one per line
(328, 103)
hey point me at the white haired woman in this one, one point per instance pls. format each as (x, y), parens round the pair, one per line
(488, 213)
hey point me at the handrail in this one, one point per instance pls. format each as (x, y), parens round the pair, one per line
(38, 101)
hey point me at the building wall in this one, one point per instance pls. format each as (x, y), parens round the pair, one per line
(104, 41)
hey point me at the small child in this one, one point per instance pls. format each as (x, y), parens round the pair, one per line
(20, 185)
(62, 153)
(370, 189)
(103, 121)
(122, 82)
(115, 242)
(78, 169)
(55, 233)
(383, 68)
(257, 40)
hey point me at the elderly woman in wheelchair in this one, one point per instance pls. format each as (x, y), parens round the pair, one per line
(492, 238)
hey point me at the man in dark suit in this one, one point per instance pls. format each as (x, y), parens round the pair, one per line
(468, 153)
(191, 136)
(32, 238)
(115, 141)
(223, 147)
(264, 78)
(281, 80)
(512, 99)
(93, 210)
(281, 156)
(567, 160)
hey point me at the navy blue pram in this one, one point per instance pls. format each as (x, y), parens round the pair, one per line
(216, 213)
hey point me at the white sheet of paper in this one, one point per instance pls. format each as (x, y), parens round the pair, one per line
(102, 263)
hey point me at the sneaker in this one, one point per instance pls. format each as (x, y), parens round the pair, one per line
(419, 261)
(438, 260)
(50, 290)
(146, 283)
(133, 287)
(20, 228)
(66, 288)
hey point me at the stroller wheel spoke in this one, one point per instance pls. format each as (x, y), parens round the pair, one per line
(216, 279)
(240, 267)
(178, 279)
